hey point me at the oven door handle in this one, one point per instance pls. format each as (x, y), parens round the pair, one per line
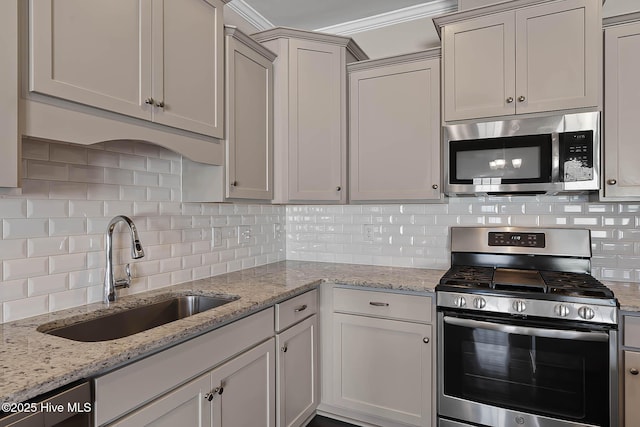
(525, 330)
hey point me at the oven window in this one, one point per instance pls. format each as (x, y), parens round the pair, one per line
(558, 378)
(517, 159)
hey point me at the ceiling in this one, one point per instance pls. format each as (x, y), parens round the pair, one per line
(326, 14)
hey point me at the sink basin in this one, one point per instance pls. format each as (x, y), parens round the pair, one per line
(137, 319)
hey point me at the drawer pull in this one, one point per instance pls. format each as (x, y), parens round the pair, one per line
(301, 308)
(379, 304)
(633, 371)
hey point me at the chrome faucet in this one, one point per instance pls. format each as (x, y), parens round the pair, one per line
(110, 283)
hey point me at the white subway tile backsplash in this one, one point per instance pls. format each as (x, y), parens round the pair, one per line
(67, 299)
(43, 285)
(67, 190)
(147, 179)
(48, 246)
(13, 249)
(137, 163)
(66, 263)
(67, 226)
(159, 165)
(25, 268)
(103, 192)
(13, 289)
(49, 171)
(34, 150)
(64, 153)
(102, 158)
(85, 208)
(13, 208)
(19, 309)
(82, 173)
(16, 228)
(133, 193)
(86, 278)
(118, 176)
(47, 208)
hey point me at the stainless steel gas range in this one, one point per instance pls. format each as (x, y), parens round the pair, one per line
(527, 337)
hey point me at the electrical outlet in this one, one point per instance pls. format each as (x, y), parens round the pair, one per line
(368, 232)
(217, 237)
(244, 234)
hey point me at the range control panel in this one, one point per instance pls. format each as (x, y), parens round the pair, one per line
(527, 240)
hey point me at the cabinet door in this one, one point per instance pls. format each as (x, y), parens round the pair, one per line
(622, 86)
(249, 123)
(398, 104)
(298, 383)
(558, 47)
(185, 406)
(93, 52)
(248, 389)
(188, 65)
(479, 67)
(317, 131)
(383, 368)
(631, 388)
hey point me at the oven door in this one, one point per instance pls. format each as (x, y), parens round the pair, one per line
(513, 372)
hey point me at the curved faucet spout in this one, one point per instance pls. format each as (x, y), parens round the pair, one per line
(110, 283)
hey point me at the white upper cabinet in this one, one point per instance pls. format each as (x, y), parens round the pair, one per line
(394, 128)
(521, 57)
(620, 144)
(160, 61)
(310, 114)
(249, 84)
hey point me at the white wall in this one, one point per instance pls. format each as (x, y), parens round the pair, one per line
(52, 236)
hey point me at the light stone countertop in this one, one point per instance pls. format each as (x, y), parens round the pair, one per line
(33, 363)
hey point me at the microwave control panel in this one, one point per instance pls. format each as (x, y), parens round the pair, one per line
(576, 156)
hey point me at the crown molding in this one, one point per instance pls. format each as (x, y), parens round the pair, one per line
(433, 53)
(406, 14)
(237, 34)
(626, 18)
(250, 15)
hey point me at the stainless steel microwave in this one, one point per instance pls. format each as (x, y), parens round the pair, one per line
(541, 155)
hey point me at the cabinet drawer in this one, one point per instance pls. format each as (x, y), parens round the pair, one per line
(415, 308)
(632, 331)
(295, 309)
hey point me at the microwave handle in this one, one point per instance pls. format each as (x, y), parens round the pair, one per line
(525, 330)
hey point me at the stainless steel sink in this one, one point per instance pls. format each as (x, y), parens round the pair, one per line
(137, 319)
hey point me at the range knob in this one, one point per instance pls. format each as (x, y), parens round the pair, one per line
(519, 306)
(459, 301)
(586, 313)
(561, 310)
(479, 303)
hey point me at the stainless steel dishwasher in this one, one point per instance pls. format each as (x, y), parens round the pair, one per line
(70, 406)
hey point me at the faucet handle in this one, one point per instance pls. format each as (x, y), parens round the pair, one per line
(126, 282)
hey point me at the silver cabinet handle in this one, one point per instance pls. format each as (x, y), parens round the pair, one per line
(301, 308)
(284, 349)
(218, 390)
(160, 104)
(338, 188)
(379, 304)
(209, 396)
(234, 184)
(633, 371)
(434, 186)
(612, 182)
(149, 101)
(521, 98)
(509, 100)
(425, 340)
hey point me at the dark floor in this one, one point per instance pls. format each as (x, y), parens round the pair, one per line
(319, 421)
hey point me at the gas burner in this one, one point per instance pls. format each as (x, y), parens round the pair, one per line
(469, 276)
(575, 284)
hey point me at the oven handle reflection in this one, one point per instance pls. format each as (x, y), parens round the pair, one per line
(529, 331)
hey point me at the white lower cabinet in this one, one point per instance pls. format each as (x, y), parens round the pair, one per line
(298, 387)
(297, 363)
(378, 351)
(185, 406)
(239, 393)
